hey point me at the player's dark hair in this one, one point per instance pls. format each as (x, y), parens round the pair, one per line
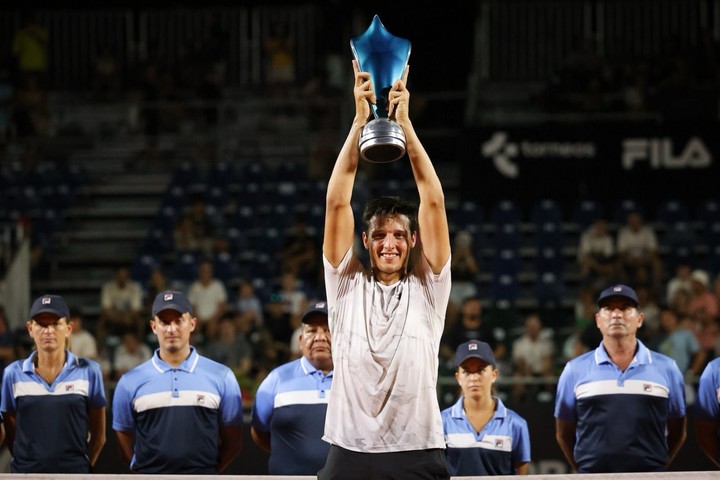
(390, 207)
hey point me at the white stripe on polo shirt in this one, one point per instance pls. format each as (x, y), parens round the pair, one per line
(35, 389)
(186, 398)
(501, 443)
(629, 387)
(300, 397)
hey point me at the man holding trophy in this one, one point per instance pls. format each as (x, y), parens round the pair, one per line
(383, 419)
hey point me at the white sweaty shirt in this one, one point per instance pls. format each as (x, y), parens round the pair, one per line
(385, 357)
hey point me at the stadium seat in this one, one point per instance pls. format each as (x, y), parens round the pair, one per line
(585, 212)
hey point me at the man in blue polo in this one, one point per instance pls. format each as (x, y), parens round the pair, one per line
(178, 412)
(288, 418)
(620, 407)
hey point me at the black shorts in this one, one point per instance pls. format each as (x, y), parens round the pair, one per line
(345, 464)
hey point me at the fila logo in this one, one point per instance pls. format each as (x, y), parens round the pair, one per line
(659, 153)
(498, 442)
(472, 346)
(201, 399)
(70, 388)
(647, 387)
(46, 300)
(617, 289)
(168, 296)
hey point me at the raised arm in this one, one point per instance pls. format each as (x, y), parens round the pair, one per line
(339, 220)
(432, 218)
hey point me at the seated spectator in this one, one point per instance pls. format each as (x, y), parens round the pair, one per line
(680, 344)
(299, 252)
(209, 299)
(231, 348)
(121, 303)
(637, 246)
(129, 354)
(293, 298)
(156, 283)
(651, 312)
(469, 327)
(82, 342)
(681, 281)
(184, 236)
(703, 304)
(464, 268)
(596, 255)
(248, 305)
(585, 309)
(532, 355)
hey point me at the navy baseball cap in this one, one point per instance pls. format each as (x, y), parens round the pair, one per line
(317, 307)
(49, 304)
(171, 299)
(474, 349)
(618, 291)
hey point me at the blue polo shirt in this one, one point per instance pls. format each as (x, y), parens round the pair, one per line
(621, 416)
(52, 421)
(707, 406)
(503, 442)
(176, 413)
(291, 404)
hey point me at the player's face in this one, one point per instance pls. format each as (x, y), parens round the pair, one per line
(315, 343)
(618, 317)
(173, 329)
(476, 377)
(389, 241)
(49, 331)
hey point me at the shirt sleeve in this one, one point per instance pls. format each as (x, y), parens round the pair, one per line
(521, 441)
(8, 398)
(565, 398)
(97, 388)
(708, 397)
(677, 391)
(122, 408)
(264, 403)
(231, 401)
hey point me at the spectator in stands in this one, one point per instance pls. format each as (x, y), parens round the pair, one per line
(707, 411)
(703, 304)
(230, 348)
(30, 48)
(533, 356)
(464, 268)
(293, 298)
(680, 344)
(121, 304)
(299, 252)
(574, 345)
(53, 403)
(681, 281)
(107, 81)
(483, 437)
(292, 429)
(651, 311)
(156, 283)
(82, 342)
(469, 327)
(209, 299)
(248, 305)
(596, 255)
(184, 236)
(129, 354)
(637, 246)
(620, 383)
(155, 434)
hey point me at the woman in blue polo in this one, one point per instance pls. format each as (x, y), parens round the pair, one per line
(482, 436)
(53, 403)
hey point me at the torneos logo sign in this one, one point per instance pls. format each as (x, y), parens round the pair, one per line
(660, 153)
(503, 152)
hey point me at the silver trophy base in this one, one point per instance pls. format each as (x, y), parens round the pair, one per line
(382, 141)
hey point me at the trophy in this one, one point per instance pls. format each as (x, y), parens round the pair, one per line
(384, 56)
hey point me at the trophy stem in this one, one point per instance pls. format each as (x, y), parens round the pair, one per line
(382, 141)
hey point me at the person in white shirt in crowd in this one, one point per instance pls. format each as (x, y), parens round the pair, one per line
(532, 355)
(209, 299)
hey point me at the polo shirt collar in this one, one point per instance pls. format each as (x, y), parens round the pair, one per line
(642, 356)
(188, 365)
(457, 409)
(28, 365)
(308, 367)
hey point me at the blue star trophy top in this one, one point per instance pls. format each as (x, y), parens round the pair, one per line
(384, 56)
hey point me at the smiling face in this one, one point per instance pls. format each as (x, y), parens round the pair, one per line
(389, 241)
(476, 378)
(619, 317)
(49, 331)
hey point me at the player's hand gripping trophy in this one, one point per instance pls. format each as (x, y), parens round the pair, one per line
(384, 56)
